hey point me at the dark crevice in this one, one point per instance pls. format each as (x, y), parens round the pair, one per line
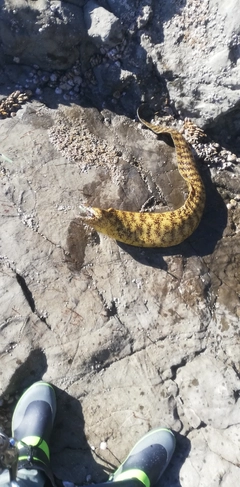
(235, 370)
(111, 310)
(26, 291)
(174, 368)
(236, 395)
(29, 297)
(184, 361)
(190, 428)
(43, 319)
(199, 352)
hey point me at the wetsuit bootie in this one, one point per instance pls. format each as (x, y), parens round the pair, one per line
(148, 459)
(32, 424)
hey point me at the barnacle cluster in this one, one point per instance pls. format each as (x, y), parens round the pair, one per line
(12, 103)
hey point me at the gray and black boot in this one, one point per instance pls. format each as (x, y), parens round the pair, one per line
(148, 459)
(32, 425)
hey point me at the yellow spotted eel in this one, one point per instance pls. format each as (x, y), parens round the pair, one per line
(156, 229)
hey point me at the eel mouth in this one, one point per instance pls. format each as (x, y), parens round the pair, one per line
(87, 212)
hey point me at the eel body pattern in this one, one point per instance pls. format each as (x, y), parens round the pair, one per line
(156, 229)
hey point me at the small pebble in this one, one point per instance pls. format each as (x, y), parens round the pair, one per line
(38, 91)
(232, 204)
(66, 483)
(45, 78)
(53, 77)
(103, 445)
(231, 158)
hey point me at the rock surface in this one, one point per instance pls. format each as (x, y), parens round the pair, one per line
(103, 27)
(41, 32)
(185, 51)
(131, 338)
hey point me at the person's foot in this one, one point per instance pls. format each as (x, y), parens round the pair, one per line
(32, 425)
(148, 458)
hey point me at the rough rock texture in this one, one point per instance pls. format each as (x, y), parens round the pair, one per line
(41, 32)
(198, 54)
(187, 51)
(103, 27)
(131, 338)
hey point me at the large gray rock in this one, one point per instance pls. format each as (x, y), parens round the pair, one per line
(103, 27)
(197, 51)
(131, 11)
(185, 52)
(131, 338)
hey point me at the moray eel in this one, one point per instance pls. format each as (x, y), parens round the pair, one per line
(155, 229)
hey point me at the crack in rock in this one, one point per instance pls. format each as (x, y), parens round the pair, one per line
(29, 298)
(26, 291)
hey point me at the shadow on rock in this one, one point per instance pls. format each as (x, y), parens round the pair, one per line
(109, 64)
(71, 455)
(223, 128)
(171, 476)
(28, 372)
(77, 240)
